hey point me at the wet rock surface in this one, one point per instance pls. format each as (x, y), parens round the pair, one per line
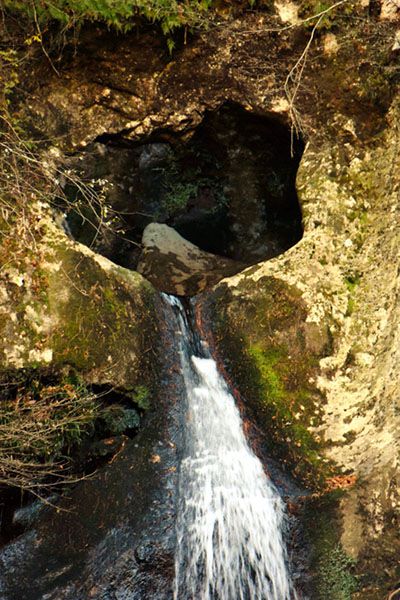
(272, 353)
(112, 535)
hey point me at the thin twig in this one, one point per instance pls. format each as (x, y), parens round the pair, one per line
(40, 36)
(294, 77)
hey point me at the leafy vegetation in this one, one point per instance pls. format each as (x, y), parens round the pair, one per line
(141, 396)
(8, 74)
(178, 197)
(116, 419)
(123, 15)
(332, 569)
(336, 575)
(184, 182)
(45, 419)
(120, 14)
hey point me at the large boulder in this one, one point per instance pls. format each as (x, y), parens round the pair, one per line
(62, 305)
(176, 266)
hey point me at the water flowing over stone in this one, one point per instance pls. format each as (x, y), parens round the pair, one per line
(231, 518)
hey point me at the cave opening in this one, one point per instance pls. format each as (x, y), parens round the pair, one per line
(228, 187)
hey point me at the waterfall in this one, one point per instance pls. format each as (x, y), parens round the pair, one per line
(230, 518)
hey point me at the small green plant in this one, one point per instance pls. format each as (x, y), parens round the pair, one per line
(116, 419)
(45, 420)
(8, 75)
(336, 578)
(352, 281)
(178, 197)
(141, 397)
(333, 570)
(311, 10)
(183, 183)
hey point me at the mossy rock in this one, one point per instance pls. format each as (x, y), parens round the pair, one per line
(272, 354)
(106, 317)
(75, 327)
(68, 307)
(332, 570)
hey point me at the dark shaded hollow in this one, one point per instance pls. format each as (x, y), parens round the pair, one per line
(250, 157)
(93, 452)
(229, 188)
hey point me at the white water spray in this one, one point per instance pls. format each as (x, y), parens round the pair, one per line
(230, 515)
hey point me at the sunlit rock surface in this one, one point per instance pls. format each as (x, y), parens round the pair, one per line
(344, 275)
(176, 266)
(63, 305)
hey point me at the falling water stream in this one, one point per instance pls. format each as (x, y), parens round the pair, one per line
(231, 518)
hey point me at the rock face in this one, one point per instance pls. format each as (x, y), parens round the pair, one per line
(140, 89)
(328, 307)
(114, 535)
(64, 306)
(331, 304)
(175, 266)
(272, 353)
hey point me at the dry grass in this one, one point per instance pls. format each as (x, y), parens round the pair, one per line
(39, 428)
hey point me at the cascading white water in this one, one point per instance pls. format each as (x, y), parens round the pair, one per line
(230, 516)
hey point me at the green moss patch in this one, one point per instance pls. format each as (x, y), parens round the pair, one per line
(332, 570)
(272, 354)
(104, 319)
